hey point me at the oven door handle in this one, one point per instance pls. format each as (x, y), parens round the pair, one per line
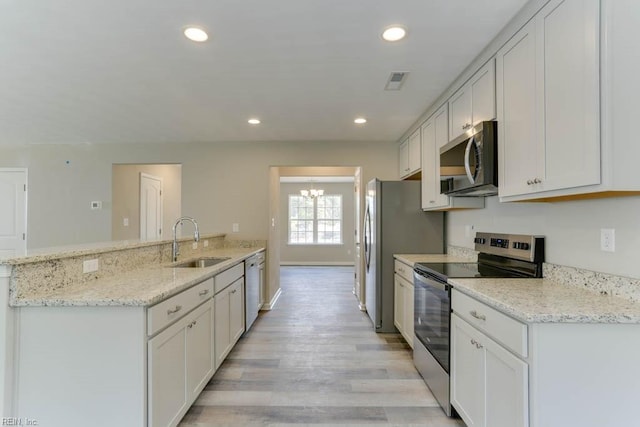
(419, 278)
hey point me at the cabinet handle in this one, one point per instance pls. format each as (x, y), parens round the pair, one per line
(476, 343)
(466, 126)
(537, 181)
(234, 291)
(203, 293)
(478, 316)
(174, 310)
(529, 182)
(192, 324)
(432, 201)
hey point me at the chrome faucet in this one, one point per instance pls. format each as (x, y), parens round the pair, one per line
(196, 236)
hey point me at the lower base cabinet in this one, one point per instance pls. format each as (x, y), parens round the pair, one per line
(489, 385)
(180, 364)
(229, 319)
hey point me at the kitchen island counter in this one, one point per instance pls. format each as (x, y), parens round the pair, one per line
(141, 287)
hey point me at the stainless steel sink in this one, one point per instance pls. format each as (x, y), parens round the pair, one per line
(198, 262)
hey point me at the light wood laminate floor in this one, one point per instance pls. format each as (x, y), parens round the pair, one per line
(315, 360)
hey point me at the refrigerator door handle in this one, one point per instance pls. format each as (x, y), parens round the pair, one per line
(367, 237)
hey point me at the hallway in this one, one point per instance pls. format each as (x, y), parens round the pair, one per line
(315, 360)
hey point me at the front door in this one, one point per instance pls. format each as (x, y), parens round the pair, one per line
(13, 211)
(150, 207)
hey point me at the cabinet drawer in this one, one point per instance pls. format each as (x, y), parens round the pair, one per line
(229, 276)
(163, 314)
(403, 270)
(501, 327)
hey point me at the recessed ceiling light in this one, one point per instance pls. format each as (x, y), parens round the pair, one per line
(360, 121)
(394, 33)
(253, 121)
(196, 34)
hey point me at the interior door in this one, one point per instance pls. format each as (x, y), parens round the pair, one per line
(150, 207)
(13, 211)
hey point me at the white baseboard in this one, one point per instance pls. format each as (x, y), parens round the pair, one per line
(315, 263)
(273, 301)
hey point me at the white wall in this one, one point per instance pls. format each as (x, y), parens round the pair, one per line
(222, 183)
(315, 254)
(572, 230)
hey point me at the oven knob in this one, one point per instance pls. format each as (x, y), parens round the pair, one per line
(479, 240)
(525, 246)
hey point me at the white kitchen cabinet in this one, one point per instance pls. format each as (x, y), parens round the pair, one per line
(435, 134)
(489, 385)
(548, 99)
(398, 303)
(403, 300)
(409, 155)
(229, 319)
(474, 102)
(180, 364)
(200, 361)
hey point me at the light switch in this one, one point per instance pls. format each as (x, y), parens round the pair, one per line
(236, 227)
(125, 222)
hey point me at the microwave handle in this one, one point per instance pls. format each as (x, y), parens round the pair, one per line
(467, 166)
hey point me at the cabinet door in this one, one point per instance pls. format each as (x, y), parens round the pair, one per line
(483, 94)
(200, 357)
(236, 308)
(567, 40)
(507, 385)
(519, 149)
(403, 159)
(429, 172)
(415, 160)
(467, 373)
(221, 325)
(398, 303)
(166, 376)
(460, 112)
(408, 313)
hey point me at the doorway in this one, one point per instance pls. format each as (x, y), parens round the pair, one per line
(13, 211)
(278, 219)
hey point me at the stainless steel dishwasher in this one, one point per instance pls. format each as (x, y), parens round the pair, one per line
(252, 290)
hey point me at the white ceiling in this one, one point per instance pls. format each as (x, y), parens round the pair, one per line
(95, 71)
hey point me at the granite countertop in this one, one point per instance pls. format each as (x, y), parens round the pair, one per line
(411, 259)
(143, 287)
(548, 301)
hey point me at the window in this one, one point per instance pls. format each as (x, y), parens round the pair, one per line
(316, 221)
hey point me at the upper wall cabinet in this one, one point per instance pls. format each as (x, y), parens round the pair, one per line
(409, 154)
(474, 102)
(548, 102)
(435, 134)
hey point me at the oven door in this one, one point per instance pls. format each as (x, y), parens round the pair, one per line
(432, 316)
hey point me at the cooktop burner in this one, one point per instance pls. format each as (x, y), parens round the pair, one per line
(463, 270)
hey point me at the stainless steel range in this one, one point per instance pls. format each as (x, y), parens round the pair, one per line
(500, 256)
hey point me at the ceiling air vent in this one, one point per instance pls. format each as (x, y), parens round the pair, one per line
(395, 80)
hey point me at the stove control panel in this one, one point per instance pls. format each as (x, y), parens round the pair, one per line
(520, 246)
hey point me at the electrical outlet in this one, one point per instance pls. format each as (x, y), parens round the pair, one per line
(125, 222)
(206, 243)
(90, 265)
(235, 227)
(608, 239)
(194, 245)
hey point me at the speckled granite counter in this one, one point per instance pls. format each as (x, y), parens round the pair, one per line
(141, 287)
(411, 259)
(547, 301)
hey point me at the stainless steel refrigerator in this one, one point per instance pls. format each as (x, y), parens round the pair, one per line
(394, 223)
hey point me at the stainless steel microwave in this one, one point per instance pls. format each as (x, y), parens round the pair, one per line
(469, 163)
